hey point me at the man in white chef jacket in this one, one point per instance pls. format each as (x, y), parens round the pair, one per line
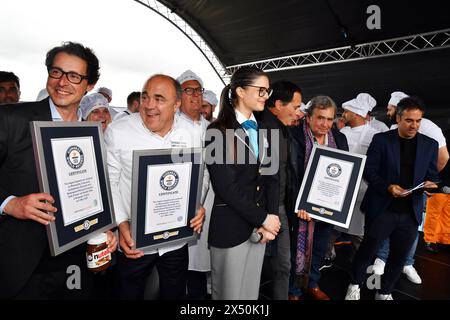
(190, 119)
(155, 127)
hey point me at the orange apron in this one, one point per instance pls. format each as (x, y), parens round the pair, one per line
(437, 219)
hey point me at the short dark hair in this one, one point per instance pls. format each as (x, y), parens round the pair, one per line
(82, 52)
(410, 103)
(283, 91)
(9, 76)
(135, 95)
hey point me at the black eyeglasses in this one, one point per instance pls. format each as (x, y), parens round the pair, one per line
(190, 91)
(262, 90)
(73, 77)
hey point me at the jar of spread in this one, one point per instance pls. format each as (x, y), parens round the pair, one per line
(98, 256)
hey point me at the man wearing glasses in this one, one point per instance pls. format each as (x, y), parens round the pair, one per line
(190, 119)
(27, 271)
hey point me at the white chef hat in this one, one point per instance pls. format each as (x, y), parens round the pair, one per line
(361, 105)
(42, 94)
(189, 75)
(106, 91)
(306, 106)
(303, 107)
(210, 97)
(396, 97)
(367, 100)
(91, 102)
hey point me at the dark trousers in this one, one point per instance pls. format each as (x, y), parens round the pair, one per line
(64, 277)
(281, 262)
(197, 285)
(401, 228)
(321, 238)
(172, 269)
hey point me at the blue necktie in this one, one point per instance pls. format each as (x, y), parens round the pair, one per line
(251, 127)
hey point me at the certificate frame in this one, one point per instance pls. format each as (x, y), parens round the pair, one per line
(338, 213)
(64, 234)
(142, 161)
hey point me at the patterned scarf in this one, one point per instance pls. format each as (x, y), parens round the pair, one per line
(306, 229)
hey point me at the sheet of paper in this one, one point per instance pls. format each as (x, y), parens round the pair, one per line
(167, 196)
(77, 178)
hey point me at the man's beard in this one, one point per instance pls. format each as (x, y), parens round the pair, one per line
(391, 121)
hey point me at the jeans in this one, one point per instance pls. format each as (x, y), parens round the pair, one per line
(322, 232)
(383, 253)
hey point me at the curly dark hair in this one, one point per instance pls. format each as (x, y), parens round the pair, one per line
(82, 52)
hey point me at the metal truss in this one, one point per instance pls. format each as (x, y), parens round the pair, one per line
(397, 46)
(196, 39)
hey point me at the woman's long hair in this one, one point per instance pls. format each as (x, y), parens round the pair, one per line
(242, 77)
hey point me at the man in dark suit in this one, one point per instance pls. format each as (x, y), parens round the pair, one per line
(397, 160)
(27, 271)
(279, 112)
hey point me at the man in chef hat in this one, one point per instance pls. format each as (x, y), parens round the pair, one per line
(209, 105)
(190, 119)
(359, 135)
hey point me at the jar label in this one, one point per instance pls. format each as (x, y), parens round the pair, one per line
(98, 259)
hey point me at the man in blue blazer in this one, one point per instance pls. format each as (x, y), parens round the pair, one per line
(397, 160)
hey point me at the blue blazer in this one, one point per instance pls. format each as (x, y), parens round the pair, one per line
(383, 169)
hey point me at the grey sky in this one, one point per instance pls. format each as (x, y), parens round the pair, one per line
(131, 42)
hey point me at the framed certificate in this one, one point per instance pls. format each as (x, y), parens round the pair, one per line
(166, 191)
(70, 162)
(330, 185)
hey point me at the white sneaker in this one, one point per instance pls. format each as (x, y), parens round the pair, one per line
(412, 275)
(379, 296)
(378, 266)
(353, 292)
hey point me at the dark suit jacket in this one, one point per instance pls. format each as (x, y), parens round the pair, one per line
(22, 242)
(24, 246)
(243, 196)
(383, 169)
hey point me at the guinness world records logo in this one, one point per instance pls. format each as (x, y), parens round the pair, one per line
(75, 157)
(169, 180)
(334, 170)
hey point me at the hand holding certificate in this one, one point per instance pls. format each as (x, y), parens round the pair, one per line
(330, 186)
(165, 206)
(73, 180)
